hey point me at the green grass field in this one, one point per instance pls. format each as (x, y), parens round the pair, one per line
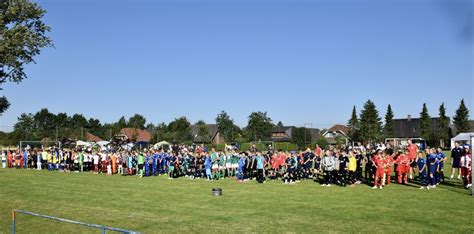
(156, 204)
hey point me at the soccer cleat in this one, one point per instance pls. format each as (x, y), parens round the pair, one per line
(375, 187)
(422, 187)
(323, 185)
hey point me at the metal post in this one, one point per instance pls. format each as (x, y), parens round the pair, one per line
(103, 229)
(13, 221)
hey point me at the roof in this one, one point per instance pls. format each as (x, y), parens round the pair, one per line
(213, 130)
(136, 133)
(92, 138)
(340, 128)
(282, 129)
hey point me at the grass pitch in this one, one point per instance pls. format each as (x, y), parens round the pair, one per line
(159, 205)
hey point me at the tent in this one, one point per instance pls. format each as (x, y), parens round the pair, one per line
(161, 144)
(464, 138)
(103, 143)
(83, 143)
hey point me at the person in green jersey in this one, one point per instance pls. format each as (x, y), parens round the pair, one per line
(81, 161)
(140, 162)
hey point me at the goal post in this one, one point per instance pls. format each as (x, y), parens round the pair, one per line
(102, 228)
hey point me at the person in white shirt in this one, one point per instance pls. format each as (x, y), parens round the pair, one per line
(96, 162)
(4, 160)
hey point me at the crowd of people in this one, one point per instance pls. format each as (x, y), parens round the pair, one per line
(375, 165)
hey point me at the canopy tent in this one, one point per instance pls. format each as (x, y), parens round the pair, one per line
(161, 144)
(83, 143)
(464, 138)
(103, 143)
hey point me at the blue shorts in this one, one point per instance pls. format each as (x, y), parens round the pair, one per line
(432, 169)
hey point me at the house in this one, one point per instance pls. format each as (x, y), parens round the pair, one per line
(285, 133)
(139, 136)
(336, 131)
(89, 137)
(282, 134)
(214, 136)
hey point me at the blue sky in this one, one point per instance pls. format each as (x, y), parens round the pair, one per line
(302, 61)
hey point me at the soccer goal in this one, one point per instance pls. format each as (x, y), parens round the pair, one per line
(102, 228)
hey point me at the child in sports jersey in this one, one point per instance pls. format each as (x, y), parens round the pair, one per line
(95, 158)
(317, 167)
(403, 168)
(222, 165)
(465, 164)
(289, 177)
(208, 166)
(228, 163)
(4, 160)
(441, 160)
(351, 168)
(109, 164)
(343, 164)
(388, 170)
(379, 164)
(235, 162)
(432, 167)
(360, 165)
(140, 162)
(422, 170)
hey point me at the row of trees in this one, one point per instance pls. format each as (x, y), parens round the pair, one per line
(368, 126)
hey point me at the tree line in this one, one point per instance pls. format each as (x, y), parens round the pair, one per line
(368, 127)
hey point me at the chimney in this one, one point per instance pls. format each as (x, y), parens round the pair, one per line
(409, 118)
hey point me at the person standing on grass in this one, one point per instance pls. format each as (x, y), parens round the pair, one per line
(465, 163)
(432, 166)
(38, 160)
(208, 166)
(360, 165)
(4, 160)
(441, 159)
(109, 164)
(389, 167)
(456, 154)
(403, 168)
(352, 168)
(422, 170)
(343, 166)
(113, 161)
(260, 168)
(379, 164)
(412, 152)
(290, 177)
(81, 161)
(96, 159)
(328, 164)
(140, 162)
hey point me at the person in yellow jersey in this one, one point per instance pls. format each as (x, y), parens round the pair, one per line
(50, 160)
(352, 167)
(44, 158)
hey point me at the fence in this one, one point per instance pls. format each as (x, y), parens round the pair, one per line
(100, 227)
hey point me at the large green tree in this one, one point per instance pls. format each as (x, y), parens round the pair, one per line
(461, 119)
(227, 127)
(301, 137)
(180, 130)
(425, 123)
(388, 127)
(443, 126)
(370, 123)
(353, 125)
(22, 36)
(259, 127)
(137, 121)
(203, 131)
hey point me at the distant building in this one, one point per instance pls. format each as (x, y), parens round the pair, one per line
(336, 131)
(411, 127)
(136, 135)
(214, 136)
(282, 134)
(92, 138)
(285, 133)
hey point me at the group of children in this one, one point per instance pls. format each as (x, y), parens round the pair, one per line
(343, 166)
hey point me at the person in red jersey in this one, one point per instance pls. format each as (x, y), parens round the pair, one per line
(388, 169)
(412, 153)
(379, 164)
(403, 168)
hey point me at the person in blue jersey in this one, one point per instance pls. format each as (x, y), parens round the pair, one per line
(208, 166)
(422, 170)
(154, 165)
(146, 164)
(260, 161)
(172, 162)
(130, 164)
(432, 162)
(241, 168)
(441, 160)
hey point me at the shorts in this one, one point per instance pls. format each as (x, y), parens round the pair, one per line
(413, 164)
(228, 165)
(290, 170)
(379, 173)
(465, 171)
(456, 163)
(317, 166)
(432, 169)
(441, 166)
(215, 167)
(236, 165)
(140, 166)
(171, 168)
(308, 166)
